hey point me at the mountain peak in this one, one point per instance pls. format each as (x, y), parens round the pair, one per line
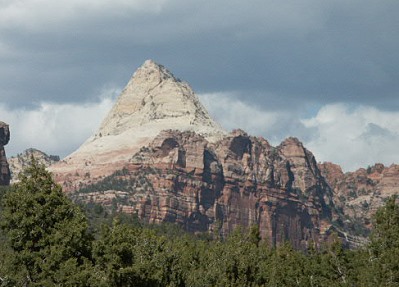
(150, 62)
(152, 71)
(152, 101)
(155, 98)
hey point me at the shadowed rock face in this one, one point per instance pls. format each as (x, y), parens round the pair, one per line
(4, 169)
(237, 181)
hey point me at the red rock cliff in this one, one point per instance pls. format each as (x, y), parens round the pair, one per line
(238, 181)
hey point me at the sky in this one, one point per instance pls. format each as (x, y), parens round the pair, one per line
(325, 72)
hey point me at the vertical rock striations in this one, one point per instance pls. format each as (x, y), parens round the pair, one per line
(4, 169)
(215, 187)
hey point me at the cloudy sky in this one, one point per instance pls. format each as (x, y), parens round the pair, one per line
(326, 72)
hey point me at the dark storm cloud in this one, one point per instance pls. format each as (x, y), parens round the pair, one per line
(276, 54)
(312, 69)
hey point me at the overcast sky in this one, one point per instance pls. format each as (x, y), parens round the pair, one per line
(326, 72)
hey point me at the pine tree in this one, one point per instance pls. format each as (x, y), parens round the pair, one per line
(46, 232)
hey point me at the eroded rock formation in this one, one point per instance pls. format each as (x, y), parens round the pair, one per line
(4, 169)
(215, 187)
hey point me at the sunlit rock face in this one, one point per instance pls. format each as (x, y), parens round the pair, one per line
(216, 187)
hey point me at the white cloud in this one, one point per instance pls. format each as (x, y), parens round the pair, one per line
(232, 113)
(354, 137)
(53, 128)
(350, 136)
(61, 128)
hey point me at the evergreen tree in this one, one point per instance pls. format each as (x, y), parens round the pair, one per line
(286, 267)
(333, 265)
(384, 246)
(46, 232)
(129, 256)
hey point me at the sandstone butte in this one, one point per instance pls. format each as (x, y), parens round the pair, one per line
(175, 164)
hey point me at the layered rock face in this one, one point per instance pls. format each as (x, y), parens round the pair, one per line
(4, 169)
(152, 101)
(22, 160)
(359, 194)
(215, 187)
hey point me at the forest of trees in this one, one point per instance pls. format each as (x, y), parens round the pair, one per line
(47, 240)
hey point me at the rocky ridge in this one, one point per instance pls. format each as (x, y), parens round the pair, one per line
(19, 162)
(4, 168)
(359, 194)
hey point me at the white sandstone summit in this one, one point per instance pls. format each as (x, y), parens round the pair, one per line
(156, 100)
(152, 101)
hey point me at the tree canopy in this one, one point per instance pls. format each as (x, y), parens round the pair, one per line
(45, 230)
(46, 240)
